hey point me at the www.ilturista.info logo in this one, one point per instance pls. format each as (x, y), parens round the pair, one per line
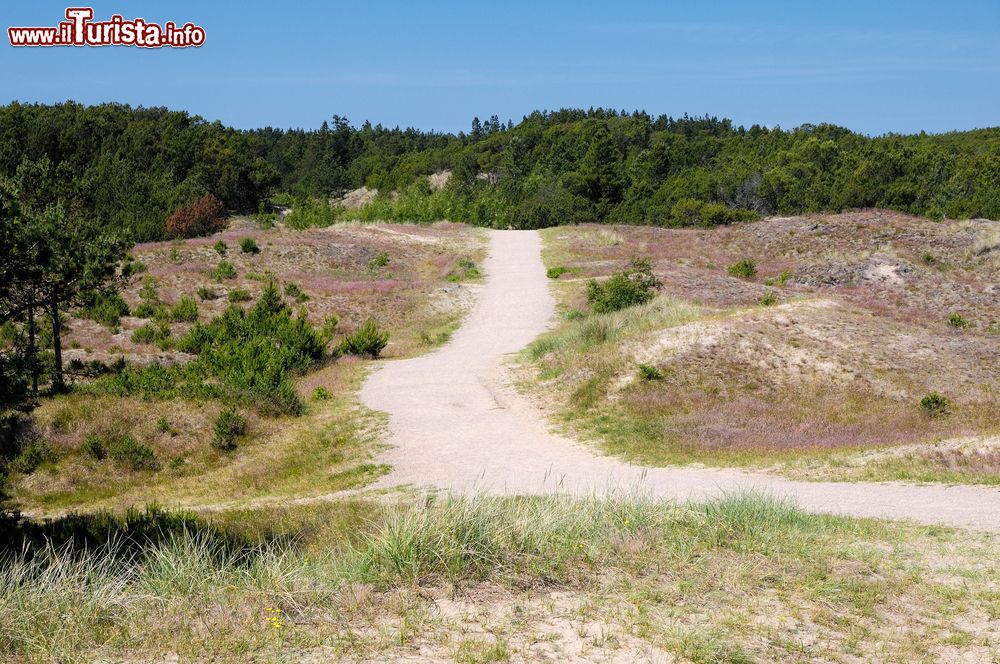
(81, 30)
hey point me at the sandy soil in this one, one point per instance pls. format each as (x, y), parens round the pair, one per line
(457, 423)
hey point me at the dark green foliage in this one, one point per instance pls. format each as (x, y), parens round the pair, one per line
(221, 248)
(769, 298)
(744, 269)
(206, 293)
(310, 213)
(186, 310)
(378, 262)
(105, 308)
(556, 272)
(31, 457)
(229, 426)
(649, 372)
(367, 340)
(151, 333)
(636, 285)
(958, 321)
(293, 291)
(248, 245)
(239, 295)
(128, 453)
(224, 270)
(935, 405)
(465, 269)
(93, 446)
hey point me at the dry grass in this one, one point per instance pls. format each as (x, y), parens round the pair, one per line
(332, 446)
(744, 578)
(859, 337)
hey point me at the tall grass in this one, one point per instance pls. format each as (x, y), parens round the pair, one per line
(193, 594)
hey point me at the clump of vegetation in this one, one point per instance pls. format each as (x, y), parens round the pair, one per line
(958, 321)
(31, 457)
(769, 298)
(229, 426)
(465, 269)
(779, 280)
(310, 212)
(224, 270)
(321, 394)
(649, 372)
(744, 269)
(221, 248)
(634, 286)
(239, 295)
(935, 405)
(149, 304)
(369, 340)
(556, 272)
(104, 308)
(152, 333)
(574, 314)
(206, 293)
(93, 446)
(126, 452)
(293, 291)
(163, 425)
(185, 311)
(248, 245)
(380, 261)
(202, 217)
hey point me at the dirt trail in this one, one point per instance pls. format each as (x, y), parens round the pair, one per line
(457, 424)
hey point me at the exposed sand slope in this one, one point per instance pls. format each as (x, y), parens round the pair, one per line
(457, 424)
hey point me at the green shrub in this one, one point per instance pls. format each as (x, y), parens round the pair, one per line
(744, 269)
(248, 245)
(556, 272)
(321, 394)
(779, 280)
(958, 321)
(635, 286)
(163, 425)
(224, 270)
(465, 269)
(130, 454)
(206, 293)
(221, 248)
(367, 340)
(185, 311)
(151, 333)
(649, 372)
(105, 308)
(239, 295)
(292, 290)
(935, 405)
(93, 446)
(574, 314)
(31, 457)
(229, 426)
(379, 261)
(148, 310)
(769, 298)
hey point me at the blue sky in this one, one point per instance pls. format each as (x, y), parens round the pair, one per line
(872, 66)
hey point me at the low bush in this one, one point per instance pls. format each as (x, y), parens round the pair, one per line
(744, 269)
(649, 372)
(321, 394)
(293, 291)
(367, 340)
(378, 262)
(224, 270)
(248, 245)
(957, 321)
(93, 446)
(31, 457)
(635, 286)
(221, 248)
(126, 452)
(151, 333)
(769, 298)
(935, 405)
(239, 295)
(105, 308)
(185, 311)
(556, 272)
(206, 293)
(229, 426)
(203, 216)
(465, 269)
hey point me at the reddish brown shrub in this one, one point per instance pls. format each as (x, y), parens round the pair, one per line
(202, 216)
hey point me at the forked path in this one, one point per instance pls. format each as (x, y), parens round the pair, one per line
(456, 423)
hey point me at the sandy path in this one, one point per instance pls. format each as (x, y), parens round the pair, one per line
(456, 424)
